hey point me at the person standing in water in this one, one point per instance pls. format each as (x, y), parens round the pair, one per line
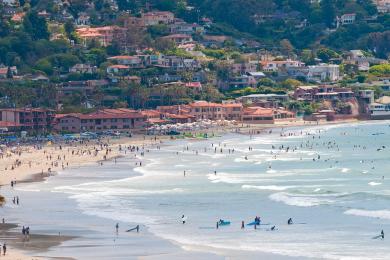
(382, 234)
(290, 221)
(117, 228)
(183, 219)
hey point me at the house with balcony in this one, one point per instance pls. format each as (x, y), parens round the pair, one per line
(323, 92)
(29, 119)
(179, 38)
(243, 68)
(83, 68)
(324, 73)
(133, 62)
(157, 17)
(243, 81)
(264, 100)
(215, 111)
(121, 119)
(261, 115)
(277, 65)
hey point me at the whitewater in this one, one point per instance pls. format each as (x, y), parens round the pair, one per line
(333, 181)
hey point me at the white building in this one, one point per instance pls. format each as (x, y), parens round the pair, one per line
(381, 108)
(346, 19)
(9, 2)
(383, 6)
(324, 73)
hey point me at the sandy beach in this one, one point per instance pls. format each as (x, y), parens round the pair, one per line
(30, 163)
(26, 163)
(35, 162)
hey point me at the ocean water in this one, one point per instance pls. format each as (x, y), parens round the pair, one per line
(333, 181)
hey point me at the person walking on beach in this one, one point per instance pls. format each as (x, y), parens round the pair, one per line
(4, 248)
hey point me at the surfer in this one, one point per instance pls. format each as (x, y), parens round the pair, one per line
(132, 229)
(382, 234)
(273, 228)
(183, 219)
(117, 227)
(242, 225)
(257, 220)
(290, 221)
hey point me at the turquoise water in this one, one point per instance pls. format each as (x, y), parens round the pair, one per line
(332, 181)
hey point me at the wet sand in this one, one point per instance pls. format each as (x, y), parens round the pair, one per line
(34, 243)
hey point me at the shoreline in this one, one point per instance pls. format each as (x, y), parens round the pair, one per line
(20, 174)
(115, 153)
(34, 243)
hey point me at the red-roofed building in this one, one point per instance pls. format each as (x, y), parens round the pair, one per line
(118, 69)
(176, 109)
(29, 119)
(107, 119)
(182, 119)
(154, 18)
(194, 85)
(104, 35)
(261, 115)
(18, 17)
(215, 111)
(6, 127)
(4, 71)
(179, 38)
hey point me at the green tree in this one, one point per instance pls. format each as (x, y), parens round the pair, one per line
(328, 12)
(286, 47)
(380, 70)
(69, 30)
(35, 26)
(326, 54)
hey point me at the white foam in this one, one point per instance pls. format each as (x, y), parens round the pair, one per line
(382, 214)
(372, 183)
(299, 201)
(268, 187)
(345, 170)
